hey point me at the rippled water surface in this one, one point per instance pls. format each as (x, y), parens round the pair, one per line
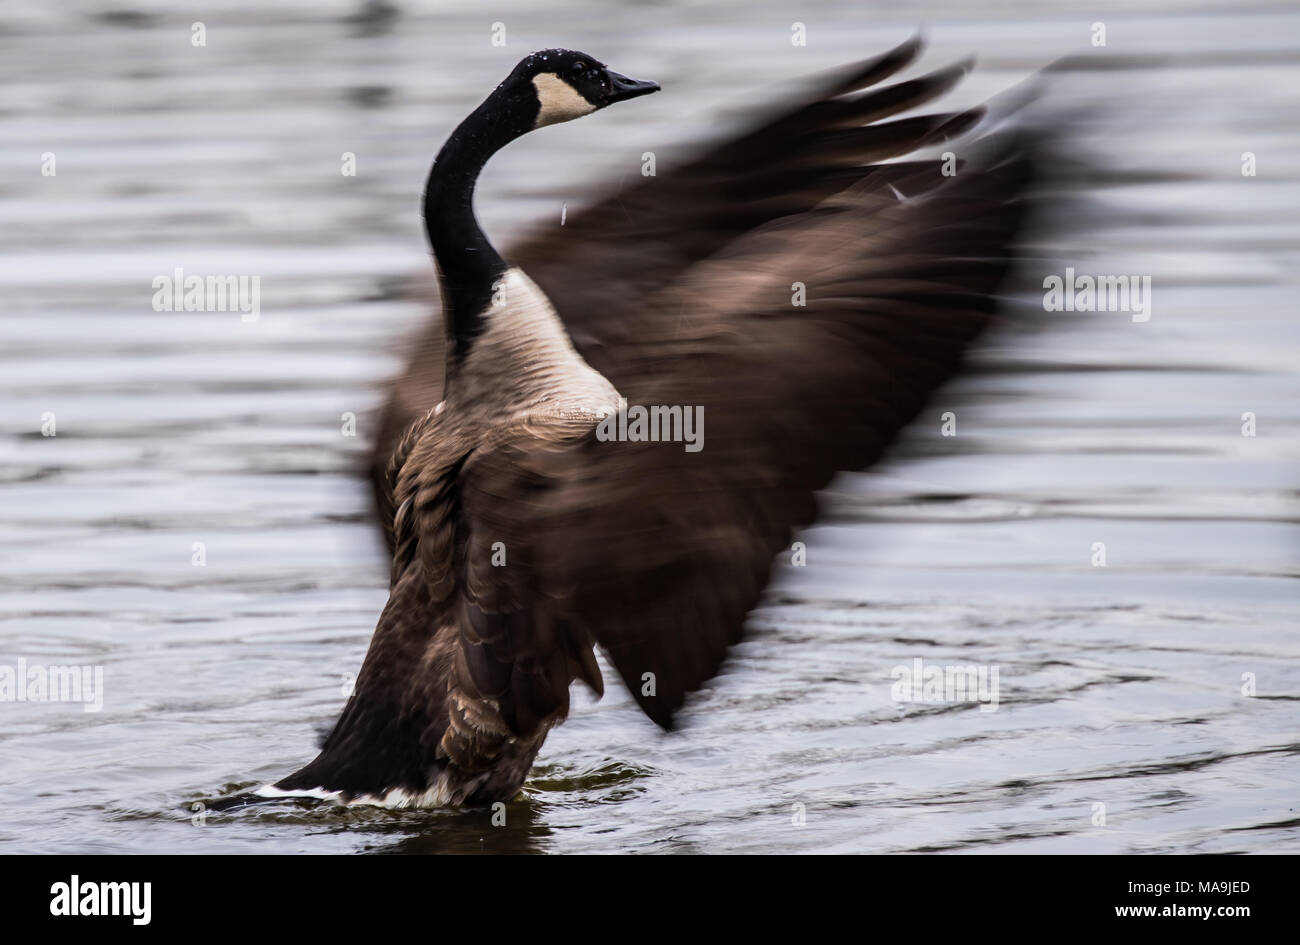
(1120, 686)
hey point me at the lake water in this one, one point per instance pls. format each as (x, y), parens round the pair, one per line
(1120, 685)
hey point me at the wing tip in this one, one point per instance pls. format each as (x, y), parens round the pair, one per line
(873, 70)
(660, 710)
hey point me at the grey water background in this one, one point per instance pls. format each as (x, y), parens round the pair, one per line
(1119, 686)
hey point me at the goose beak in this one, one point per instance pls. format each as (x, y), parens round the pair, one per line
(622, 88)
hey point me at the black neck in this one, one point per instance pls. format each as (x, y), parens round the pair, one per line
(467, 263)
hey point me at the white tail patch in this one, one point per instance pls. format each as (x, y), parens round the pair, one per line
(437, 795)
(560, 101)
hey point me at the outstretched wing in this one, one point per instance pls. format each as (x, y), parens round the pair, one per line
(641, 238)
(600, 266)
(658, 552)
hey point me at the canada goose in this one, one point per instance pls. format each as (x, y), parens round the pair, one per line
(520, 538)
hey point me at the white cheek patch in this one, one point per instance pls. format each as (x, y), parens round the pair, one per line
(559, 100)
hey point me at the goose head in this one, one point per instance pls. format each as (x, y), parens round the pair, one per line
(555, 85)
(546, 87)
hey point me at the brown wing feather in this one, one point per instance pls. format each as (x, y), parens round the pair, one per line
(639, 238)
(658, 553)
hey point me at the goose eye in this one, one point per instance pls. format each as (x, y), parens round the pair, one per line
(579, 66)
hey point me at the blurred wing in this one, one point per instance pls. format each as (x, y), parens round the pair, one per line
(657, 552)
(411, 396)
(643, 236)
(599, 267)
